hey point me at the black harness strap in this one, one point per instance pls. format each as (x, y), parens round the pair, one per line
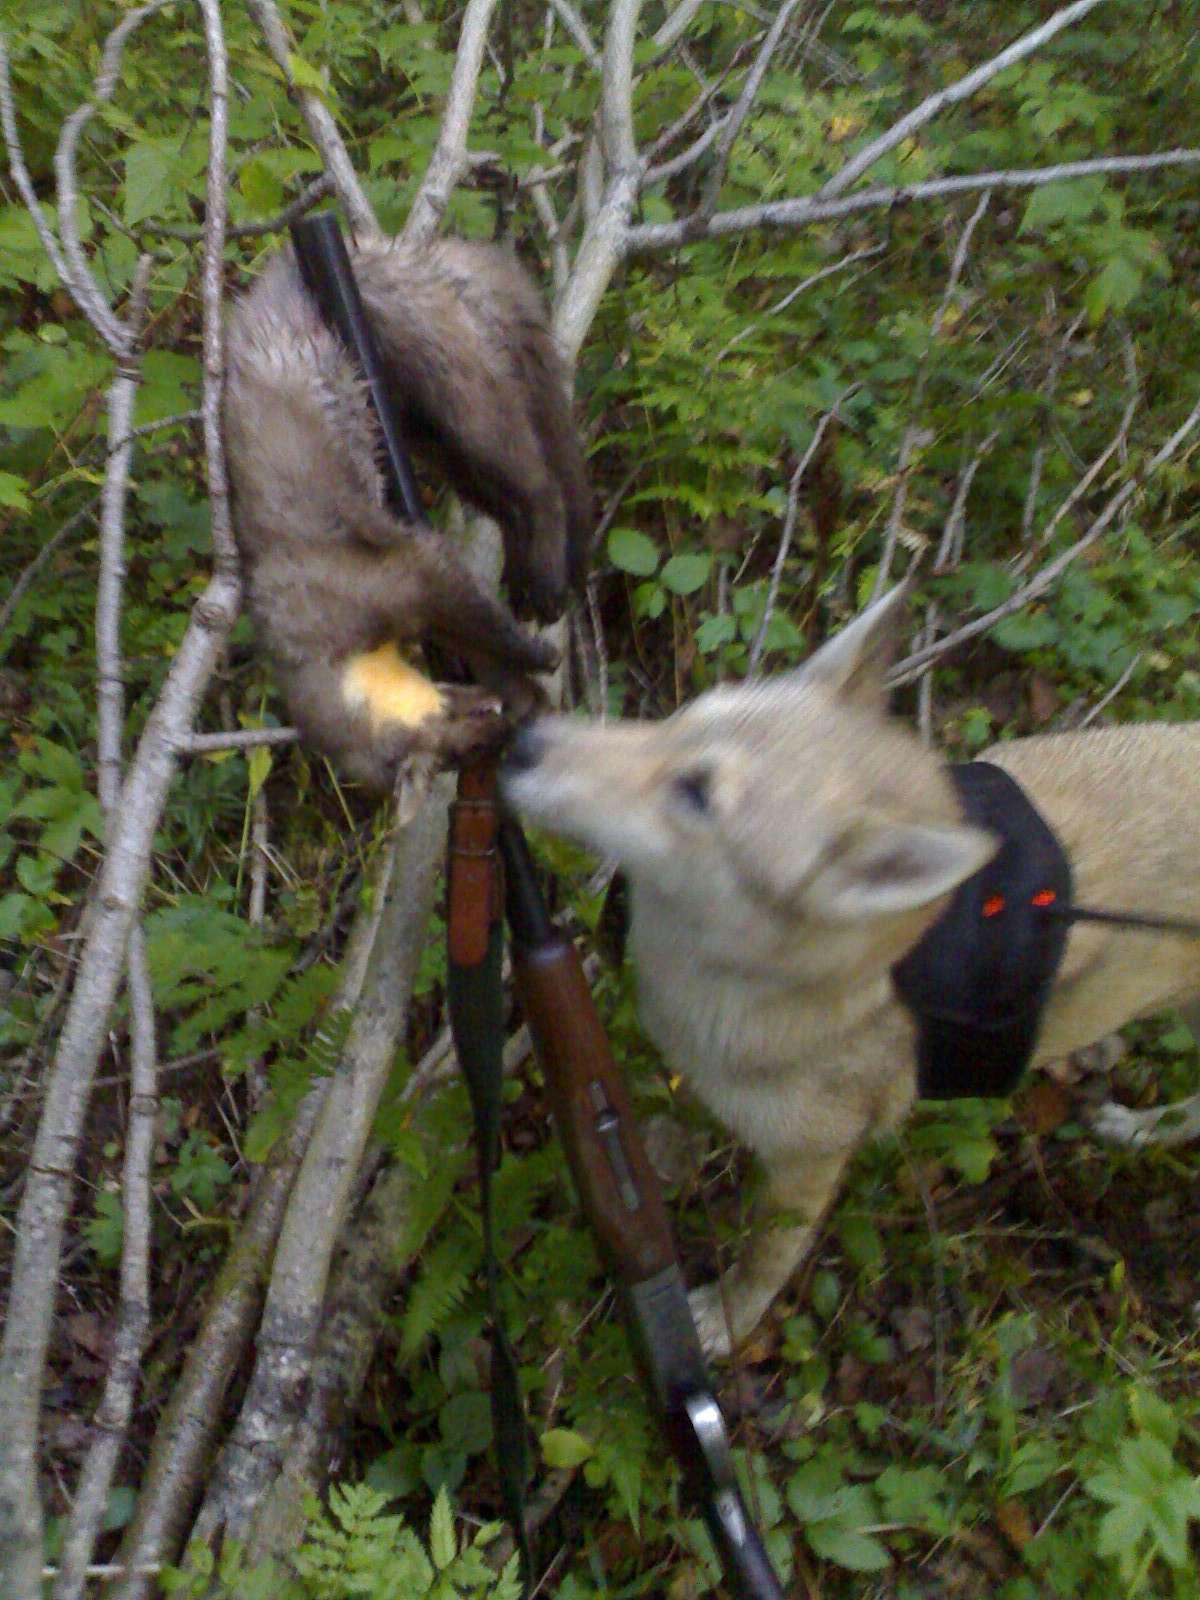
(978, 981)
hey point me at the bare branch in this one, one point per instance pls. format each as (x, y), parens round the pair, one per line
(785, 215)
(111, 1421)
(20, 172)
(49, 1183)
(185, 1434)
(607, 230)
(216, 204)
(79, 280)
(53, 543)
(789, 526)
(316, 1211)
(962, 90)
(1106, 700)
(913, 432)
(735, 121)
(319, 120)
(311, 194)
(676, 25)
(684, 121)
(793, 294)
(616, 95)
(177, 419)
(906, 670)
(1039, 453)
(202, 744)
(949, 554)
(577, 28)
(449, 159)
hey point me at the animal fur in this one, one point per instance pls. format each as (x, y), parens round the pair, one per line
(338, 585)
(786, 842)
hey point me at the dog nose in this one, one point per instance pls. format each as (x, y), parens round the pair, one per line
(526, 748)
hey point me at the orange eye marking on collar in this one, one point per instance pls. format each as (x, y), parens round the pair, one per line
(993, 905)
(1044, 897)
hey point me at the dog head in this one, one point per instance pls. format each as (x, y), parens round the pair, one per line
(794, 802)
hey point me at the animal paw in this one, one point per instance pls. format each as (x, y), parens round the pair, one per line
(470, 723)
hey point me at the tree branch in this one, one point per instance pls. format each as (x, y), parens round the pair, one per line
(904, 671)
(111, 1422)
(962, 90)
(320, 122)
(44, 1204)
(736, 118)
(785, 215)
(84, 290)
(449, 159)
(912, 432)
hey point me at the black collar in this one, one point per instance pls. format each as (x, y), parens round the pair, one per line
(979, 979)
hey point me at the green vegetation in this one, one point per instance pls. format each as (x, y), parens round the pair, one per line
(985, 1383)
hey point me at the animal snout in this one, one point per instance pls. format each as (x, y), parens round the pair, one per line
(526, 748)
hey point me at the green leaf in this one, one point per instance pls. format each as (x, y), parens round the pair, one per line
(307, 76)
(442, 1545)
(12, 491)
(860, 1240)
(149, 174)
(714, 632)
(684, 574)
(1117, 285)
(261, 186)
(466, 1421)
(847, 1547)
(1069, 201)
(632, 551)
(563, 1447)
(1027, 630)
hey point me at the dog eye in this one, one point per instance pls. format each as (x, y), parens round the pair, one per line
(694, 790)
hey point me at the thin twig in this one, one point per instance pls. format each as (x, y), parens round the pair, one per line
(788, 215)
(789, 525)
(81, 283)
(736, 119)
(312, 194)
(202, 744)
(1106, 700)
(1049, 389)
(906, 670)
(949, 554)
(53, 543)
(956, 92)
(914, 432)
(319, 120)
(794, 294)
(111, 1422)
(1116, 446)
(448, 161)
(577, 28)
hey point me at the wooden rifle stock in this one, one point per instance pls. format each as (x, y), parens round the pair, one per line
(592, 1111)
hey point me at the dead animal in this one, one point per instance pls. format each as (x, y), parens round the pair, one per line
(341, 589)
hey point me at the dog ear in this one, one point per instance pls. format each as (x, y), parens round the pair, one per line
(854, 662)
(882, 868)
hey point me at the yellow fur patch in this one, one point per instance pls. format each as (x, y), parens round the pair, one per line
(389, 688)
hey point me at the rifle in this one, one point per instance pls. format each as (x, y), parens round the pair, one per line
(591, 1107)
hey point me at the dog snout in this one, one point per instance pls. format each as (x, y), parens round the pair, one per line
(526, 748)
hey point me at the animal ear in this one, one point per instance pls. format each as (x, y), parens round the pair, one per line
(853, 663)
(884, 868)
